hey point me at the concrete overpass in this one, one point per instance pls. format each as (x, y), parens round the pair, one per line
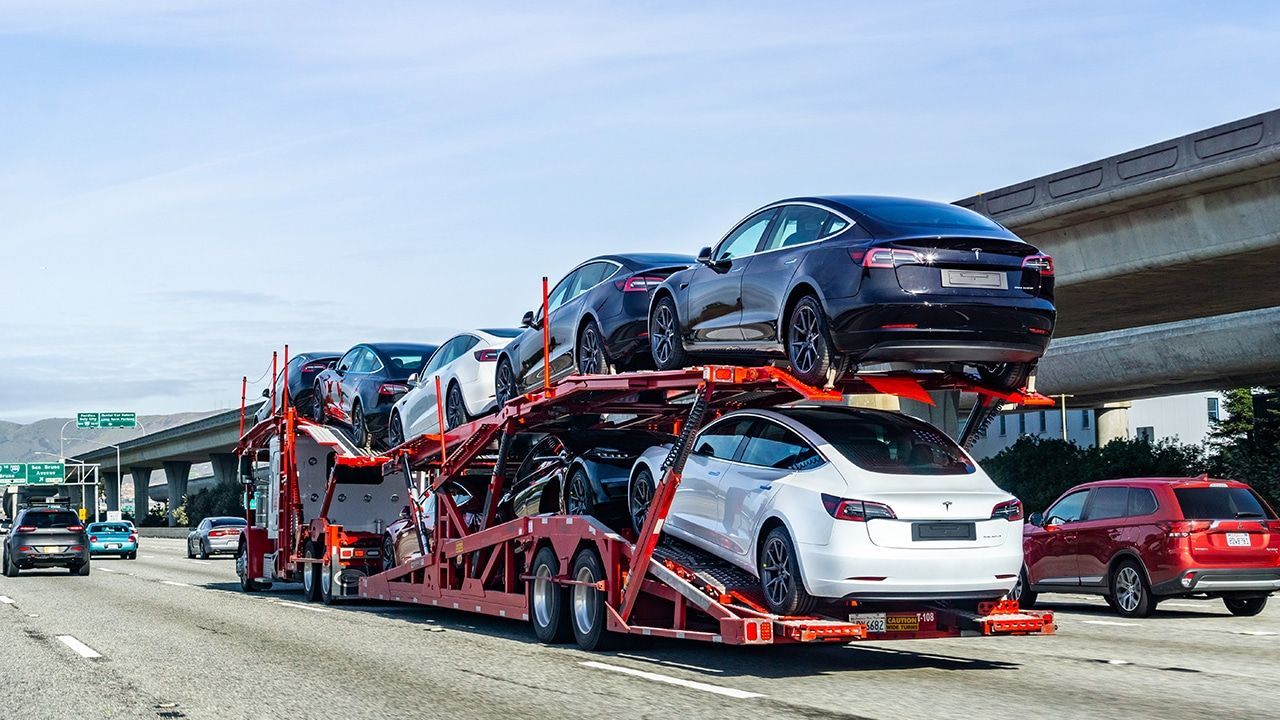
(174, 450)
(1166, 261)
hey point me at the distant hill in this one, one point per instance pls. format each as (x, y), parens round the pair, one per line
(20, 443)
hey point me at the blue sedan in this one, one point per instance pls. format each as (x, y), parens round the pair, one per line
(113, 538)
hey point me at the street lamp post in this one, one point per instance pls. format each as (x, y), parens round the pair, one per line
(63, 459)
(1063, 399)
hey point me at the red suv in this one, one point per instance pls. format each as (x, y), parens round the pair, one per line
(1138, 541)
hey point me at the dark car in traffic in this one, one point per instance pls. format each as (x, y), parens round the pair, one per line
(599, 321)
(1138, 541)
(832, 282)
(45, 538)
(301, 371)
(360, 388)
(579, 472)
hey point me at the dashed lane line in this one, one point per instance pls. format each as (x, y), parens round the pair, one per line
(6, 600)
(1111, 623)
(175, 583)
(80, 648)
(691, 684)
(299, 606)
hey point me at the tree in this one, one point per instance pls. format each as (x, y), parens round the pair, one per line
(1245, 445)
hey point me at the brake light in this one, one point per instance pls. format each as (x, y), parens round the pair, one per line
(1041, 263)
(315, 367)
(1038, 331)
(1186, 528)
(1009, 510)
(639, 283)
(489, 355)
(75, 528)
(890, 257)
(26, 528)
(133, 538)
(77, 548)
(392, 388)
(856, 510)
(900, 326)
(93, 538)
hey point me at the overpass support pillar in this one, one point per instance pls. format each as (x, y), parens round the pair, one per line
(225, 466)
(111, 488)
(943, 414)
(176, 473)
(1112, 422)
(141, 487)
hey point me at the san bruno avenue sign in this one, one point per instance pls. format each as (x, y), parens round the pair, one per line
(98, 420)
(32, 473)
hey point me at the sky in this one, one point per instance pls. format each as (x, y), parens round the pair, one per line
(186, 186)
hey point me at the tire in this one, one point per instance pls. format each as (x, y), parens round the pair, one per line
(780, 579)
(591, 358)
(587, 614)
(505, 386)
(576, 498)
(191, 554)
(665, 343)
(82, 569)
(317, 405)
(360, 434)
(1022, 592)
(132, 556)
(808, 342)
(1007, 377)
(1130, 592)
(388, 552)
(455, 408)
(639, 495)
(204, 550)
(247, 584)
(548, 601)
(327, 596)
(311, 575)
(395, 430)
(10, 567)
(1245, 607)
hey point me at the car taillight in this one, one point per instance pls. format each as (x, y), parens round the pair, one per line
(93, 538)
(75, 528)
(489, 355)
(1041, 263)
(315, 367)
(887, 257)
(1009, 510)
(77, 548)
(639, 283)
(133, 538)
(392, 388)
(855, 510)
(26, 528)
(1185, 528)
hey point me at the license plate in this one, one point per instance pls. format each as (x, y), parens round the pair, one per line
(924, 531)
(975, 279)
(51, 549)
(1238, 540)
(875, 622)
(113, 546)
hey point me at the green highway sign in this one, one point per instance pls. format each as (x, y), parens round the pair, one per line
(106, 420)
(32, 473)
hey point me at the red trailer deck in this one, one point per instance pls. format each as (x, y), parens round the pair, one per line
(572, 576)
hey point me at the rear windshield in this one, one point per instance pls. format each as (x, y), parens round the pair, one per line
(502, 332)
(113, 528)
(925, 215)
(405, 364)
(1220, 503)
(887, 443)
(224, 522)
(45, 520)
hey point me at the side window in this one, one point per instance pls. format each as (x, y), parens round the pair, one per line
(745, 239)
(560, 293)
(1068, 509)
(365, 361)
(588, 276)
(773, 446)
(1142, 502)
(798, 224)
(722, 439)
(348, 360)
(1107, 503)
(440, 358)
(834, 224)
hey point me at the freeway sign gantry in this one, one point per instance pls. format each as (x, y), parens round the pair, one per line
(97, 420)
(32, 473)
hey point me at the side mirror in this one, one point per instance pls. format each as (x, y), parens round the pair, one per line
(1037, 519)
(704, 256)
(413, 380)
(246, 468)
(528, 320)
(266, 392)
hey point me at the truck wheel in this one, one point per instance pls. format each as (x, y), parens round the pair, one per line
(247, 584)
(547, 607)
(311, 575)
(780, 579)
(1129, 589)
(327, 595)
(586, 609)
(1245, 607)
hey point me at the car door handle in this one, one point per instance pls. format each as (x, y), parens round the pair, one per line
(792, 261)
(765, 486)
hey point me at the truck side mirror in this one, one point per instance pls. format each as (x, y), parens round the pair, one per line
(246, 468)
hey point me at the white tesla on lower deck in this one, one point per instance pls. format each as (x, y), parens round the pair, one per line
(826, 503)
(465, 365)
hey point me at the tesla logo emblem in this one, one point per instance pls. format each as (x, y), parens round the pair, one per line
(977, 253)
(947, 504)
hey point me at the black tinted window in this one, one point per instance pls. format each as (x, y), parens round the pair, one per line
(798, 224)
(1068, 509)
(1108, 502)
(46, 520)
(1220, 503)
(224, 522)
(887, 443)
(113, 528)
(722, 439)
(1142, 501)
(771, 445)
(925, 214)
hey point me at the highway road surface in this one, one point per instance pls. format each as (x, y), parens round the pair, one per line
(167, 637)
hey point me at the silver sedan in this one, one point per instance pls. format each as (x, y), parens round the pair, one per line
(215, 535)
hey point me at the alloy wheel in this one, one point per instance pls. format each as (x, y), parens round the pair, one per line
(662, 334)
(454, 412)
(589, 352)
(805, 334)
(358, 426)
(584, 605)
(544, 590)
(775, 571)
(576, 494)
(395, 431)
(1128, 589)
(505, 382)
(641, 494)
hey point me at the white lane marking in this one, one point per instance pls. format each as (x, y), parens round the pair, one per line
(174, 583)
(698, 668)
(693, 685)
(81, 649)
(300, 606)
(6, 600)
(1184, 604)
(200, 562)
(102, 569)
(1111, 623)
(1119, 662)
(1256, 633)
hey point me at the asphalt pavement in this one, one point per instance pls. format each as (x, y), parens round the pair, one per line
(167, 637)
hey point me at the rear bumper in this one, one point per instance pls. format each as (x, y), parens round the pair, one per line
(1221, 580)
(835, 571)
(224, 547)
(105, 548)
(31, 559)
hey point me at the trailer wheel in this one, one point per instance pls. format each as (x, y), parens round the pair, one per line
(586, 610)
(311, 575)
(327, 595)
(548, 607)
(247, 584)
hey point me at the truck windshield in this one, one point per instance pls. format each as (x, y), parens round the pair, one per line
(1221, 503)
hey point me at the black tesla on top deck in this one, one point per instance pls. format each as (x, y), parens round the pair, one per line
(830, 282)
(599, 321)
(361, 387)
